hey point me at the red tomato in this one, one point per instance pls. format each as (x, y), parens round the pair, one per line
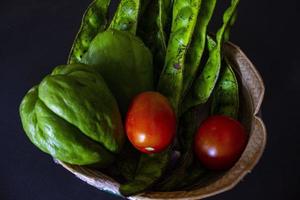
(219, 142)
(150, 122)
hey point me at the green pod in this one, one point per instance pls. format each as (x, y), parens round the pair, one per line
(153, 29)
(189, 123)
(94, 21)
(73, 116)
(177, 175)
(211, 43)
(205, 83)
(196, 173)
(225, 100)
(197, 46)
(149, 170)
(127, 161)
(230, 25)
(124, 62)
(126, 16)
(185, 15)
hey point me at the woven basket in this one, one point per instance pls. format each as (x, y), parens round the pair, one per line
(252, 92)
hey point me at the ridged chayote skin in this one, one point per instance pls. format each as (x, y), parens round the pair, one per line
(73, 116)
(124, 62)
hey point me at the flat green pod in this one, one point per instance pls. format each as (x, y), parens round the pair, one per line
(94, 21)
(204, 84)
(126, 16)
(225, 99)
(197, 46)
(154, 30)
(150, 168)
(124, 62)
(185, 15)
(73, 116)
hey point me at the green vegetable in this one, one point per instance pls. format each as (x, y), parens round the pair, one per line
(196, 173)
(73, 113)
(150, 169)
(126, 65)
(189, 123)
(177, 175)
(93, 22)
(211, 43)
(225, 99)
(205, 83)
(231, 23)
(153, 31)
(126, 16)
(124, 62)
(127, 161)
(191, 120)
(185, 15)
(73, 116)
(143, 8)
(197, 46)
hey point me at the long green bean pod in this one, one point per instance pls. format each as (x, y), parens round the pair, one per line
(127, 161)
(206, 82)
(153, 30)
(126, 16)
(231, 23)
(190, 121)
(94, 21)
(196, 172)
(225, 99)
(185, 14)
(197, 46)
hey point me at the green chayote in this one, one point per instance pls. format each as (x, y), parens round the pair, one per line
(73, 116)
(124, 62)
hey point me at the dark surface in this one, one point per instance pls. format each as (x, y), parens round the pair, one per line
(36, 36)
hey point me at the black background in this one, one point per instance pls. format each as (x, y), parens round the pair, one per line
(36, 35)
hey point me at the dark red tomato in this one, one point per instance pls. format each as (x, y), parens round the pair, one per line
(219, 142)
(150, 122)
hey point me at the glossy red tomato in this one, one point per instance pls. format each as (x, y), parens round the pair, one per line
(150, 122)
(219, 142)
